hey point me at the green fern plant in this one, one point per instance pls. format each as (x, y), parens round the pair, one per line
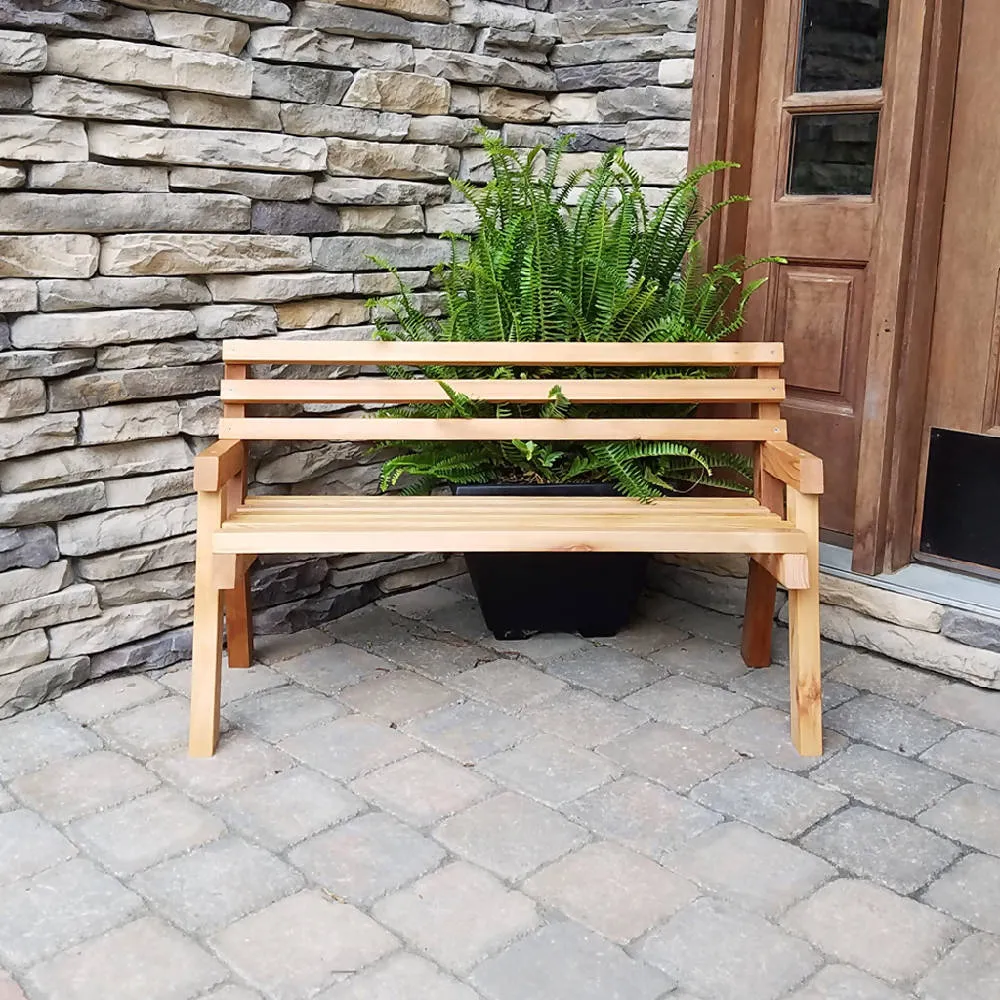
(610, 269)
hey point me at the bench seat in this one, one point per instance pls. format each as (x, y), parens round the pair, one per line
(341, 524)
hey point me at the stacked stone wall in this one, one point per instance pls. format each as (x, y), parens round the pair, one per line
(173, 172)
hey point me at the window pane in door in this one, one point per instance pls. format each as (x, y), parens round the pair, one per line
(843, 45)
(833, 153)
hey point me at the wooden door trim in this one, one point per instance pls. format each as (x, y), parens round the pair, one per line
(727, 61)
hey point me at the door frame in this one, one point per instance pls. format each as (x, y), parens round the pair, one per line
(914, 147)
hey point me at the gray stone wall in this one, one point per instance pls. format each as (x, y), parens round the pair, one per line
(173, 172)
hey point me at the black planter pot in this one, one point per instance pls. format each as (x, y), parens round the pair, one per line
(521, 593)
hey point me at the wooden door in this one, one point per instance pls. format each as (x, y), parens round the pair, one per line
(964, 382)
(815, 187)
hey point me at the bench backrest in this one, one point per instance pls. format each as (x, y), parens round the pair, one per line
(763, 388)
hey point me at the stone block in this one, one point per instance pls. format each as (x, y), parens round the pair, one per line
(313, 313)
(578, 25)
(30, 846)
(304, 84)
(87, 464)
(965, 704)
(22, 52)
(401, 92)
(218, 322)
(354, 253)
(402, 975)
(355, 158)
(444, 129)
(93, 177)
(583, 718)
(213, 885)
(204, 34)
(162, 650)
(350, 123)
(971, 630)
(135, 959)
(144, 732)
(458, 915)
(72, 604)
(12, 177)
(22, 398)
(625, 48)
(857, 840)
(261, 186)
(689, 703)
(26, 649)
(283, 218)
(141, 559)
(339, 19)
(969, 891)
(104, 387)
(286, 808)
(205, 148)
(510, 685)
(970, 754)
(252, 11)
(899, 609)
(29, 743)
(366, 857)
(970, 972)
(25, 584)
(884, 780)
(180, 253)
(604, 76)
(469, 732)
(277, 288)
(628, 103)
(15, 93)
(675, 73)
(127, 526)
(482, 13)
(119, 293)
(480, 70)
(437, 11)
(298, 945)
(498, 105)
(715, 949)
(63, 256)
(604, 670)
(891, 680)
(298, 44)
(200, 417)
(361, 191)
(765, 733)
(562, 961)
(888, 725)
(115, 694)
(842, 981)
(95, 329)
(575, 107)
(396, 697)
(664, 167)
(970, 814)
(31, 546)
(72, 97)
(872, 928)
(143, 490)
(117, 626)
(658, 134)
(223, 112)
(29, 687)
(149, 65)
(31, 138)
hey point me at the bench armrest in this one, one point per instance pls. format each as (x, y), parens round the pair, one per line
(217, 464)
(793, 466)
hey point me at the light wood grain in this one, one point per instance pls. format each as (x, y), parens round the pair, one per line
(218, 463)
(790, 570)
(528, 354)
(793, 466)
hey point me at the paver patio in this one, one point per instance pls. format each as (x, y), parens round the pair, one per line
(402, 808)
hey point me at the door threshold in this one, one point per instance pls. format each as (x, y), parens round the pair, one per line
(949, 587)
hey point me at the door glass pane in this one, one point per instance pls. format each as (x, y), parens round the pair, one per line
(843, 45)
(833, 153)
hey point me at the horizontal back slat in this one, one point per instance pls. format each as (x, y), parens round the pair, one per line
(395, 390)
(476, 429)
(374, 352)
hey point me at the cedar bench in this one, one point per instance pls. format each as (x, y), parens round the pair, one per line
(778, 527)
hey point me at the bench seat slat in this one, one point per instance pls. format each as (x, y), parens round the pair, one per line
(499, 429)
(395, 390)
(493, 353)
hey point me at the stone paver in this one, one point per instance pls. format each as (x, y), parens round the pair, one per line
(970, 814)
(212, 886)
(749, 868)
(720, 951)
(366, 857)
(146, 958)
(775, 801)
(675, 757)
(888, 724)
(457, 915)
(565, 962)
(882, 848)
(510, 835)
(636, 793)
(423, 788)
(301, 944)
(970, 754)
(970, 972)
(873, 929)
(288, 807)
(549, 769)
(690, 703)
(970, 891)
(611, 890)
(885, 780)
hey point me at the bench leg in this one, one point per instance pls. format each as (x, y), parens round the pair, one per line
(206, 652)
(239, 623)
(804, 636)
(758, 616)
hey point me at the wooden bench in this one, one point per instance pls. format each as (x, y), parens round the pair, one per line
(778, 527)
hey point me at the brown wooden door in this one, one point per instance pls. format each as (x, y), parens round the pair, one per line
(815, 191)
(964, 382)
